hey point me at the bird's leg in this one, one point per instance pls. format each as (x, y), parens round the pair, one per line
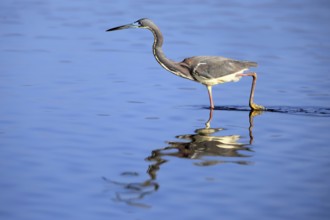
(253, 106)
(207, 124)
(209, 90)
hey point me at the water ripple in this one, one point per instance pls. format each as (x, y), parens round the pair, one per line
(294, 110)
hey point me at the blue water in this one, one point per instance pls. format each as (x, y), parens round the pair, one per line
(91, 127)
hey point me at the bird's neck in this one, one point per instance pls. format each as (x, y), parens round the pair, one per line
(158, 51)
(166, 63)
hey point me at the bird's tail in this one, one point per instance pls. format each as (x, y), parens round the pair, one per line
(251, 64)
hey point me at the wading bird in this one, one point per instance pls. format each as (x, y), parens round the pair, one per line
(207, 70)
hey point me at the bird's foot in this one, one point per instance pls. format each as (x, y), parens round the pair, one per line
(256, 107)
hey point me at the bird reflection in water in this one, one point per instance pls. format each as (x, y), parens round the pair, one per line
(207, 146)
(132, 193)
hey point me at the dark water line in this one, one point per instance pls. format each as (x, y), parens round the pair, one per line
(294, 110)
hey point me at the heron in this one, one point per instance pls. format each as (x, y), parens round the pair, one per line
(207, 70)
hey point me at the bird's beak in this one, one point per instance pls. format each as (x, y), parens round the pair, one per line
(133, 25)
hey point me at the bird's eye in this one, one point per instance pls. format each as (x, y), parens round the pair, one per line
(137, 24)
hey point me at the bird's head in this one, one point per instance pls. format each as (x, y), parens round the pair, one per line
(141, 23)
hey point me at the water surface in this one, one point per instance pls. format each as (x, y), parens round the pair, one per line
(91, 127)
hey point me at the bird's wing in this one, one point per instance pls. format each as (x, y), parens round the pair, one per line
(210, 67)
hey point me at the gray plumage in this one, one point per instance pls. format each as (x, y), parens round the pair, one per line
(215, 66)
